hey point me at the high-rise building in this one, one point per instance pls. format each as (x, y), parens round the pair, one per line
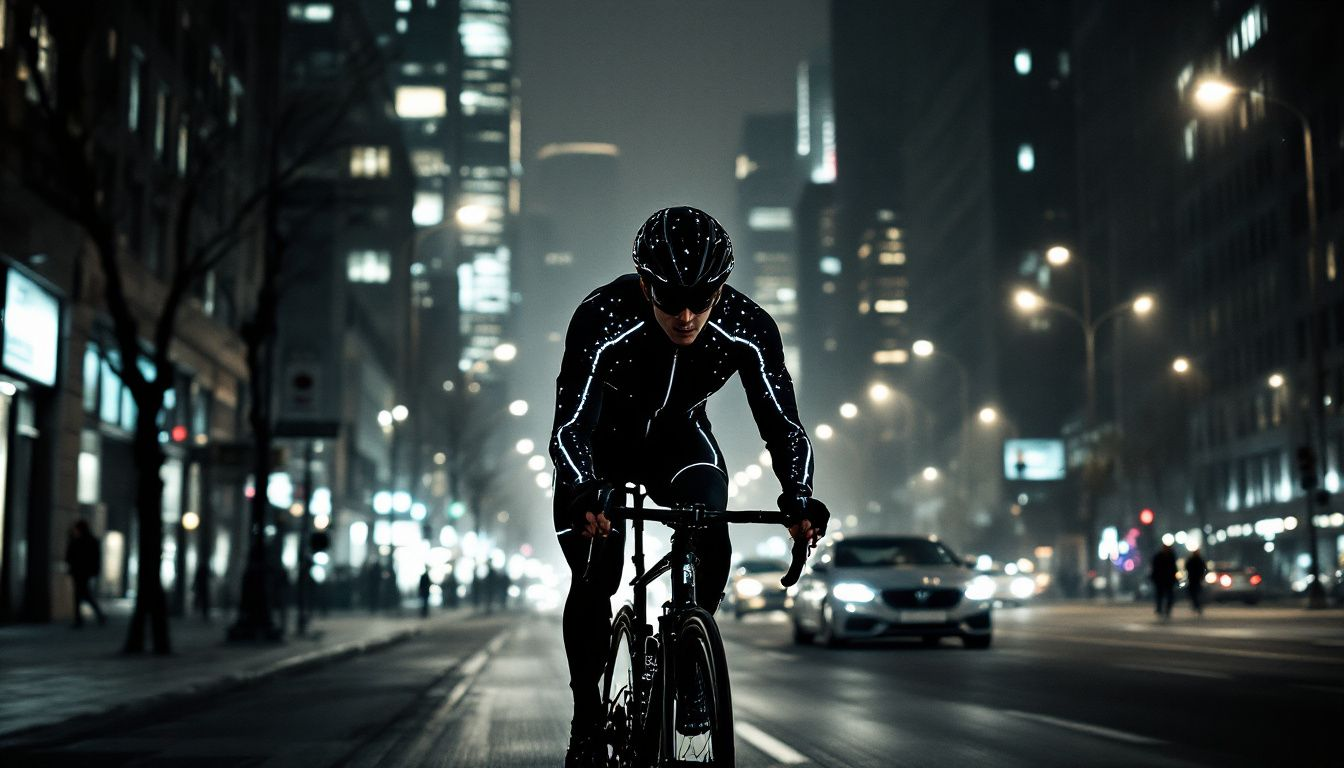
(1243, 255)
(769, 181)
(954, 175)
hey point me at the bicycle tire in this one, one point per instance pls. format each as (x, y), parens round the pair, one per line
(699, 645)
(624, 723)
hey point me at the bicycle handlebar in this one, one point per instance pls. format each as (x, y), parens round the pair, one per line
(699, 514)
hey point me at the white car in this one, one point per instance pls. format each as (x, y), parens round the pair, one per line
(873, 586)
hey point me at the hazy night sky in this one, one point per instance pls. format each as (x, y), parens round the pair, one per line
(667, 82)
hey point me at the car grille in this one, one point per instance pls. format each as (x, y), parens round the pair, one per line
(933, 598)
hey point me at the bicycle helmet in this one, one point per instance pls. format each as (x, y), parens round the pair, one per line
(684, 257)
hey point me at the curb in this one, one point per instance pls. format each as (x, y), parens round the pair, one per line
(64, 729)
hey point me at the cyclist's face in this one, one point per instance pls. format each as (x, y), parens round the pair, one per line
(683, 327)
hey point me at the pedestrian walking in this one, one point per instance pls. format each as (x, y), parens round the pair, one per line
(83, 558)
(1163, 576)
(449, 585)
(425, 584)
(1195, 571)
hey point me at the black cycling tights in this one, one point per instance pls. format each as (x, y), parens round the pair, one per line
(587, 622)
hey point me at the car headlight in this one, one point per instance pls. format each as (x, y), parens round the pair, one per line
(853, 592)
(749, 587)
(1022, 587)
(980, 588)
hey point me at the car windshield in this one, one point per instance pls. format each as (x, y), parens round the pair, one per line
(762, 566)
(891, 552)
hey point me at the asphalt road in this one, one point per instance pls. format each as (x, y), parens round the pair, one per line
(1066, 685)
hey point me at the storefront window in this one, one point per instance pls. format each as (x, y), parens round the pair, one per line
(91, 364)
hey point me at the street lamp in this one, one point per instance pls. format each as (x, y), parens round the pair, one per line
(1275, 380)
(1143, 304)
(988, 415)
(849, 410)
(1058, 255)
(879, 392)
(1212, 95)
(825, 432)
(1181, 365)
(930, 473)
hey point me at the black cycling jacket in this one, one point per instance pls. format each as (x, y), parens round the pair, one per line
(622, 379)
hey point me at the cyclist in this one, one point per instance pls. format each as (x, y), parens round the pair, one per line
(643, 354)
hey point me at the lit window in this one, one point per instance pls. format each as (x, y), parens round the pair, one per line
(40, 35)
(4, 22)
(160, 119)
(559, 259)
(420, 101)
(1026, 158)
(429, 163)
(133, 98)
(744, 167)
(235, 96)
(183, 144)
(1064, 65)
(403, 6)
(1022, 62)
(370, 162)
(830, 265)
(770, 219)
(1188, 139)
(428, 209)
(891, 257)
(368, 266)
(483, 36)
(891, 306)
(891, 357)
(401, 26)
(311, 13)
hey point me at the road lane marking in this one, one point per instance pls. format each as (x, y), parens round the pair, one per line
(1271, 655)
(435, 724)
(1330, 643)
(781, 656)
(777, 750)
(1095, 730)
(1164, 670)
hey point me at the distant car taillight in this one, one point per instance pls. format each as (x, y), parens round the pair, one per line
(1255, 579)
(1225, 580)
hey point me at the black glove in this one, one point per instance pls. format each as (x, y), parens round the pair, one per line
(595, 496)
(797, 508)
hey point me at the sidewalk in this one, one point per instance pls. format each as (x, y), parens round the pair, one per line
(52, 674)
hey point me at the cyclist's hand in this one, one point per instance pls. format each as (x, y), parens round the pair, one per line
(588, 510)
(595, 525)
(805, 517)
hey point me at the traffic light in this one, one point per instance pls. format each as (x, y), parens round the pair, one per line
(1146, 516)
(1306, 467)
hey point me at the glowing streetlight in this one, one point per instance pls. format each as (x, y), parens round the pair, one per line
(1276, 380)
(849, 410)
(506, 352)
(518, 408)
(385, 419)
(1212, 95)
(1028, 301)
(524, 446)
(1143, 304)
(400, 412)
(922, 348)
(825, 432)
(1058, 256)
(930, 473)
(988, 415)
(536, 463)
(1181, 365)
(879, 392)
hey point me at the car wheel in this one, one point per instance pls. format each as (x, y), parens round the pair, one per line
(801, 636)
(826, 633)
(930, 641)
(978, 642)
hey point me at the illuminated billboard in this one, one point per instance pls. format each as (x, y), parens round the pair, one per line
(1034, 459)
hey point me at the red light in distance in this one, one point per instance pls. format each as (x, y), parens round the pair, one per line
(1146, 516)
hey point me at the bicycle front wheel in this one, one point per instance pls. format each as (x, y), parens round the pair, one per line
(698, 725)
(621, 694)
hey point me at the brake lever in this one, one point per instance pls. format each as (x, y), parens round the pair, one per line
(801, 548)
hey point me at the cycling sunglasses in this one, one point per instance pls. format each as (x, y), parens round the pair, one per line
(672, 299)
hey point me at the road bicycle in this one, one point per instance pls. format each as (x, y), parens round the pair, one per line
(650, 675)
